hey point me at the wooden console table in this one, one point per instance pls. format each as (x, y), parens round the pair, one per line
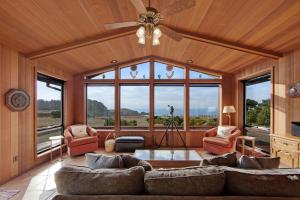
(287, 148)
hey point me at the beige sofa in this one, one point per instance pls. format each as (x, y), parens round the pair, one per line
(194, 183)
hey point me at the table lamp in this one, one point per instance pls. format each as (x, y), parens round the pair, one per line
(228, 110)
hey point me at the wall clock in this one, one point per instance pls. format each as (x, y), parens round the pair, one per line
(294, 90)
(17, 100)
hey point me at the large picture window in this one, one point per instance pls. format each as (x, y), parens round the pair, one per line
(204, 106)
(257, 104)
(101, 106)
(49, 111)
(165, 96)
(134, 106)
(137, 97)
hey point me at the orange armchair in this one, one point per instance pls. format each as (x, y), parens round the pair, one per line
(82, 145)
(219, 145)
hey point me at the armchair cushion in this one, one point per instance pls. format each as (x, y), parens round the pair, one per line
(83, 140)
(225, 131)
(217, 141)
(79, 131)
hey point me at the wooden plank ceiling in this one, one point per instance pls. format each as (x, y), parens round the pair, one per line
(32, 26)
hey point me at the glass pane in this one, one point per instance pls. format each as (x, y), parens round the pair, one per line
(204, 106)
(164, 97)
(49, 113)
(139, 71)
(104, 75)
(101, 106)
(257, 112)
(164, 71)
(43, 142)
(134, 104)
(49, 105)
(200, 75)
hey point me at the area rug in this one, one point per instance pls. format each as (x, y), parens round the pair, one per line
(7, 194)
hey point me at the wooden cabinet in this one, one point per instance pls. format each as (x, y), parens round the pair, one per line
(288, 149)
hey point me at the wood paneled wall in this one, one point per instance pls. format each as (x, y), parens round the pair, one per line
(17, 129)
(285, 71)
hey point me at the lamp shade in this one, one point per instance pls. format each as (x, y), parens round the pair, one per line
(229, 109)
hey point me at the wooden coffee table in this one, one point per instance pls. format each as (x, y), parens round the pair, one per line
(169, 158)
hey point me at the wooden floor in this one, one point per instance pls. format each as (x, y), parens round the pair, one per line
(38, 183)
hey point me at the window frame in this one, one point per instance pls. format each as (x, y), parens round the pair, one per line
(252, 81)
(186, 81)
(42, 77)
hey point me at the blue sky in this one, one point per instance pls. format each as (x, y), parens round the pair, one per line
(259, 92)
(46, 93)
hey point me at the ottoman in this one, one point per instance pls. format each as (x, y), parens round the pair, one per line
(129, 143)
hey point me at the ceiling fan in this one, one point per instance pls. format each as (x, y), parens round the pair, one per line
(149, 21)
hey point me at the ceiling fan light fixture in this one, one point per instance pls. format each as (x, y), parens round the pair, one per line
(155, 41)
(157, 32)
(140, 32)
(142, 40)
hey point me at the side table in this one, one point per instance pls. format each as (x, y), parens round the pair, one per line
(52, 139)
(245, 138)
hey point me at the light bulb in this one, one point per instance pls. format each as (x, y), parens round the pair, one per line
(141, 32)
(156, 32)
(141, 40)
(155, 41)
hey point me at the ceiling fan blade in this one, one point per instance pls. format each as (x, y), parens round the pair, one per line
(120, 25)
(178, 6)
(139, 6)
(171, 33)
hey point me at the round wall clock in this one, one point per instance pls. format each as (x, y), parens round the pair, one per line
(17, 100)
(294, 90)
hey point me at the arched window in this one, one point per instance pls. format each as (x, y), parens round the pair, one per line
(136, 96)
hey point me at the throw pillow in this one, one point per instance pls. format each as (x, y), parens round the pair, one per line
(228, 159)
(98, 161)
(131, 161)
(79, 131)
(247, 162)
(268, 163)
(225, 131)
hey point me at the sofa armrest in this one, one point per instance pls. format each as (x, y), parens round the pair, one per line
(234, 135)
(211, 132)
(91, 131)
(68, 136)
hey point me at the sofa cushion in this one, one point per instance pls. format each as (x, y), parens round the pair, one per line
(225, 131)
(84, 181)
(98, 161)
(275, 182)
(131, 161)
(268, 163)
(218, 141)
(83, 140)
(247, 162)
(79, 131)
(191, 181)
(228, 159)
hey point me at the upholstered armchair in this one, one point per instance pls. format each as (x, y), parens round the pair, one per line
(81, 144)
(220, 145)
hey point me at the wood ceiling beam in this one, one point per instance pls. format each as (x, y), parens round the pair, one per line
(82, 43)
(228, 44)
(107, 36)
